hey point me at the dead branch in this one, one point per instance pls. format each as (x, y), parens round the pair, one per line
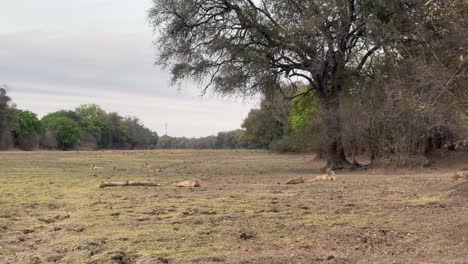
(127, 183)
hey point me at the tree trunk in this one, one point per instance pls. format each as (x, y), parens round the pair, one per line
(336, 158)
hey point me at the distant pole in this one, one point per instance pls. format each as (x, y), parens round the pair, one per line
(166, 128)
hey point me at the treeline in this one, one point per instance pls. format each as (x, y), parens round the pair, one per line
(87, 127)
(236, 139)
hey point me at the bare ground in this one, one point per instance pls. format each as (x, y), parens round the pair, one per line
(51, 210)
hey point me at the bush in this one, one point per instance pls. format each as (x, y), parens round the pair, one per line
(65, 130)
(26, 130)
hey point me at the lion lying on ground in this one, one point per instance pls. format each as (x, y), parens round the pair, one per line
(296, 180)
(460, 175)
(189, 184)
(330, 176)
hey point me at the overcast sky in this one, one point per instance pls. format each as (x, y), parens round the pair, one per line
(57, 54)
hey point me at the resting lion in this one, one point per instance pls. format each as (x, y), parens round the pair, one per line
(296, 180)
(459, 175)
(330, 176)
(189, 184)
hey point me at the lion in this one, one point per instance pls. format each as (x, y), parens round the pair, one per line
(296, 181)
(94, 167)
(459, 175)
(190, 184)
(330, 176)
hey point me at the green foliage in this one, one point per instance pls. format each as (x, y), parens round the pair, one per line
(231, 140)
(51, 117)
(89, 113)
(284, 144)
(26, 129)
(87, 127)
(119, 129)
(92, 120)
(284, 125)
(27, 123)
(138, 135)
(261, 127)
(65, 130)
(268, 123)
(303, 108)
(101, 130)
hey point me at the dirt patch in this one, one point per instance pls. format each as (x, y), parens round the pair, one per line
(459, 192)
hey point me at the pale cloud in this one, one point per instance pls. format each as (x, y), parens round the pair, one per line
(52, 62)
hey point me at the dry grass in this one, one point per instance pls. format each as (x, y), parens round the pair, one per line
(51, 210)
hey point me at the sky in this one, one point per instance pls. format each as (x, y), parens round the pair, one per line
(58, 54)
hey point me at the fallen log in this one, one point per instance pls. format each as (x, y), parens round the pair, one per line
(127, 183)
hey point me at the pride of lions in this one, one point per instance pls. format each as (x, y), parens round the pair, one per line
(328, 176)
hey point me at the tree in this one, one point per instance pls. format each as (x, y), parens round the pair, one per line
(93, 121)
(65, 130)
(27, 129)
(245, 46)
(166, 142)
(6, 118)
(268, 123)
(119, 130)
(140, 136)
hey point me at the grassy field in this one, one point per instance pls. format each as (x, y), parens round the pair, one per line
(51, 210)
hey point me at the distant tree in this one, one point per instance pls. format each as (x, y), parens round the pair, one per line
(244, 46)
(26, 130)
(92, 120)
(140, 136)
(65, 130)
(206, 142)
(271, 121)
(231, 139)
(6, 118)
(261, 127)
(166, 142)
(119, 129)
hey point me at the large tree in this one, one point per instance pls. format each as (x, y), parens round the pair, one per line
(248, 46)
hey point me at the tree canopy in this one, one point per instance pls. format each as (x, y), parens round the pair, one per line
(244, 46)
(65, 130)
